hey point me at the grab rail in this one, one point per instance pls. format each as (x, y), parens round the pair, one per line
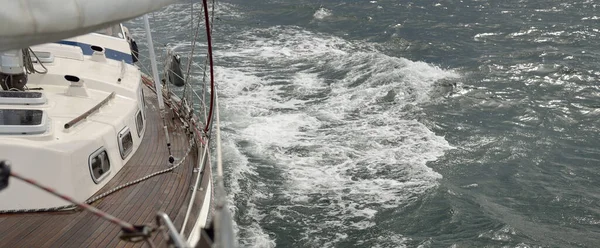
(89, 112)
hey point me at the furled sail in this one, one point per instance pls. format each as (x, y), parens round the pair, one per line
(29, 22)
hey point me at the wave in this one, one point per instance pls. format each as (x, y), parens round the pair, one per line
(321, 132)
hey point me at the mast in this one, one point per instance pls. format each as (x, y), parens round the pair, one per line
(157, 84)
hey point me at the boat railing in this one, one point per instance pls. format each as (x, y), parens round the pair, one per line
(162, 219)
(222, 222)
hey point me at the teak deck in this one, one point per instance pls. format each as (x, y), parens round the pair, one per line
(136, 204)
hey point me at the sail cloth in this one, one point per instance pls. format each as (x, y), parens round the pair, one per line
(25, 23)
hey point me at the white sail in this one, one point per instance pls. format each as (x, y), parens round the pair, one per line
(28, 22)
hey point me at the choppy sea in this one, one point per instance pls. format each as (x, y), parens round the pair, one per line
(454, 123)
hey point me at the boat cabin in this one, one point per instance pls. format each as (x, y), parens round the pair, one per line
(75, 122)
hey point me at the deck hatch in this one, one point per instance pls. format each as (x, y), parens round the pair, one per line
(23, 121)
(22, 98)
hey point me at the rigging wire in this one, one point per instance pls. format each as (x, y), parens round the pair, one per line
(212, 75)
(214, 3)
(190, 58)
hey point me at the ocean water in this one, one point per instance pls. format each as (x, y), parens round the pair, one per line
(405, 123)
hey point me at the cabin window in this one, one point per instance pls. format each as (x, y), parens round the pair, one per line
(125, 142)
(139, 121)
(99, 165)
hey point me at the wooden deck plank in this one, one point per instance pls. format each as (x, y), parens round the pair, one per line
(177, 189)
(138, 198)
(16, 230)
(135, 161)
(157, 193)
(126, 175)
(136, 204)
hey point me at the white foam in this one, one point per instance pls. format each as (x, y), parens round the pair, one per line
(259, 238)
(340, 145)
(390, 240)
(482, 36)
(590, 18)
(322, 13)
(523, 33)
(506, 233)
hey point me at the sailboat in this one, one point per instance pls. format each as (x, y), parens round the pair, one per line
(94, 152)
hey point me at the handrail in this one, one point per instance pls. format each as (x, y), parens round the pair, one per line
(224, 235)
(201, 165)
(89, 112)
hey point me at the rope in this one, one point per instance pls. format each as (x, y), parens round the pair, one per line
(191, 57)
(85, 206)
(103, 195)
(206, 66)
(122, 186)
(28, 63)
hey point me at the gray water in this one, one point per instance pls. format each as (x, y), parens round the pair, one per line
(406, 124)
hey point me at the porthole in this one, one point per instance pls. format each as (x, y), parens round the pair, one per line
(125, 142)
(99, 165)
(139, 122)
